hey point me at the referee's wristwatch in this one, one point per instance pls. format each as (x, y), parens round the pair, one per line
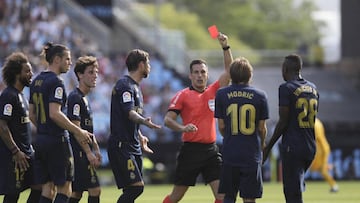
(226, 48)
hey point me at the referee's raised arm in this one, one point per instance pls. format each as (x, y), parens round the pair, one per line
(224, 78)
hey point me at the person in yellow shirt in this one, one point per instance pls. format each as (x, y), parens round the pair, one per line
(320, 162)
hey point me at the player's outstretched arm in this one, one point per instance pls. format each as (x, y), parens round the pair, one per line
(137, 118)
(147, 121)
(82, 136)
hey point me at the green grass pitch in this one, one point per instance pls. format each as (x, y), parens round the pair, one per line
(316, 192)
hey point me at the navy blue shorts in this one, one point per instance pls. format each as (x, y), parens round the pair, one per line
(54, 160)
(127, 168)
(85, 175)
(247, 181)
(195, 159)
(12, 180)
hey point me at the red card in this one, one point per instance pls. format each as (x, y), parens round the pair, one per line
(213, 31)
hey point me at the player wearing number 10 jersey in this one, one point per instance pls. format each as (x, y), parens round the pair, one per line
(298, 106)
(242, 111)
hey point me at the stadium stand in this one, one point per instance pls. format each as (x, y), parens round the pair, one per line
(28, 24)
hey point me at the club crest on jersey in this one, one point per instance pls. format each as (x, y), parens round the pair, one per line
(126, 96)
(132, 175)
(211, 104)
(76, 110)
(59, 93)
(8, 110)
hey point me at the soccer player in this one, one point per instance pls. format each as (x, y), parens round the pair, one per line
(320, 162)
(242, 111)
(79, 112)
(195, 105)
(298, 107)
(126, 141)
(16, 152)
(54, 164)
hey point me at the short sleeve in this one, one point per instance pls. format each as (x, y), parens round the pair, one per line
(57, 92)
(74, 107)
(7, 105)
(176, 103)
(284, 95)
(125, 95)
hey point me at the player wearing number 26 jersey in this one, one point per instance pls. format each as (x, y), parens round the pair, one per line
(301, 97)
(241, 111)
(298, 107)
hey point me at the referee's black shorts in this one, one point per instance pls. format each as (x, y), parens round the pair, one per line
(195, 159)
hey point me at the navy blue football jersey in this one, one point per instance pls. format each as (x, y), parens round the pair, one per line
(301, 97)
(78, 108)
(241, 107)
(126, 96)
(45, 89)
(14, 109)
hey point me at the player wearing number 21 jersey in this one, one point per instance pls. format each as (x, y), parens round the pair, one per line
(54, 163)
(298, 107)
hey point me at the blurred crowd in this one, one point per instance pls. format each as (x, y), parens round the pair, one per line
(26, 25)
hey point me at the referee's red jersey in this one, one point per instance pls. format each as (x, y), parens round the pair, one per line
(197, 108)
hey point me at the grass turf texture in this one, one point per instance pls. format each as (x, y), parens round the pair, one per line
(316, 192)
